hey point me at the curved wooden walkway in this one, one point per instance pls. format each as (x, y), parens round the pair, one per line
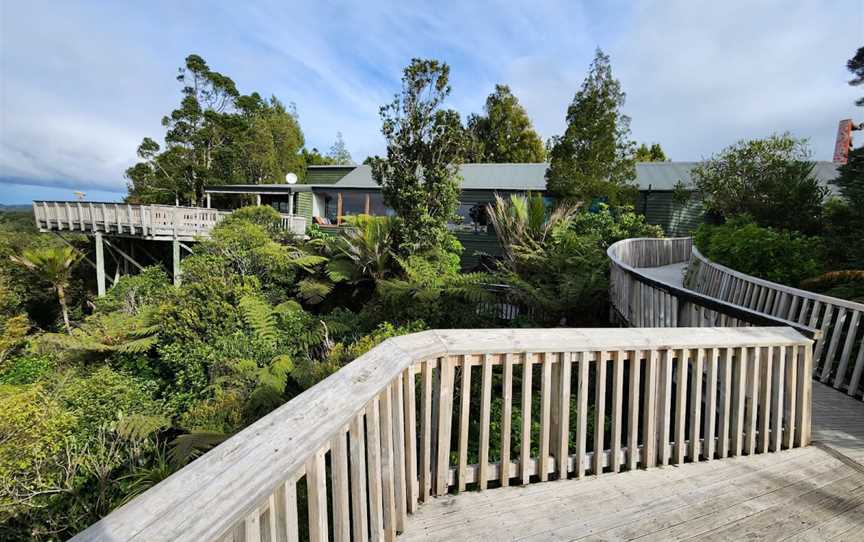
(814, 493)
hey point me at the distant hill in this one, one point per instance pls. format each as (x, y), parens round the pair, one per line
(15, 208)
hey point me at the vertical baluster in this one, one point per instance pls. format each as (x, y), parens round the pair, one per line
(316, 483)
(252, 527)
(766, 383)
(563, 437)
(725, 403)
(681, 407)
(285, 517)
(696, 405)
(506, 418)
(752, 413)
(791, 399)
(373, 465)
(665, 413)
(740, 395)
(711, 405)
(388, 491)
(633, 406)
(426, 434)
(805, 393)
(846, 355)
(582, 413)
(445, 423)
(617, 407)
(649, 411)
(525, 452)
(339, 477)
(545, 416)
(464, 418)
(777, 400)
(410, 407)
(599, 411)
(399, 453)
(485, 407)
(357, 439)
(836, 332)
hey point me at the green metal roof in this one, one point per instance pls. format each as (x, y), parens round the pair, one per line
(522, 177)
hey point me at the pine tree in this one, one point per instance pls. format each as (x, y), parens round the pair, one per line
(594, 157)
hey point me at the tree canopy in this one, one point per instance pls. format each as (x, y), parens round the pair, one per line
(339, 152)
(654, 153)
(594, 157)
(770, 179)
(856, 66)
(504, 133)
(419, 176)
(216, 136)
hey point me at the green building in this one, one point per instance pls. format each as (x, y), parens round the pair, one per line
(330, 193)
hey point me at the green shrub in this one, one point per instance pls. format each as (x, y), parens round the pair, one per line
(149, 287)
(27, 368)
(843, 284)
(101, 397)
(34, 428)
(780, 256)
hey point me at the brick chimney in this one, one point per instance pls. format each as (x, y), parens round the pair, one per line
(843, 144)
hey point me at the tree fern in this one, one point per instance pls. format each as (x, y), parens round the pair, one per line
(260, 317)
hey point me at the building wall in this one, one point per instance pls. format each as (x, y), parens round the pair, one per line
(304, 205)
(327, 175)
(676, 220)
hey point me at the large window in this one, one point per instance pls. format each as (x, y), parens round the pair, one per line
(353, 203)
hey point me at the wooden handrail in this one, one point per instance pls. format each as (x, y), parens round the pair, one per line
(640, 299)
(382, 430)
(839, 348)
(163, 222)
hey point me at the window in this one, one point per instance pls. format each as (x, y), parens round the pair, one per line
(353, 203)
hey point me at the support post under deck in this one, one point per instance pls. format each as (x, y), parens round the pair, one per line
(100, 265)
(175, 245)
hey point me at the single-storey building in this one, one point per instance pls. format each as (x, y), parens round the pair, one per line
(330, 193)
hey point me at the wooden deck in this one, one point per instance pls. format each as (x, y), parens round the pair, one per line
(814, 493)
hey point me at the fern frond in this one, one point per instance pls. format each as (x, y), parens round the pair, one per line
(259, 316)
(187, 447)
(140, 426)
(313, 291)
(137, 346)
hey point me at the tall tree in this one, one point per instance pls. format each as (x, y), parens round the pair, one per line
(339, 152)
(216, 136)
(419, 177)
(654, 153)
(856, 66)
(844, 217)
(594, 157)
(504, 134)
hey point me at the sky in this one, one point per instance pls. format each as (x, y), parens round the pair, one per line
(81, 82)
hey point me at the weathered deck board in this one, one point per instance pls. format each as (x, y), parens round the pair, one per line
(815, 493)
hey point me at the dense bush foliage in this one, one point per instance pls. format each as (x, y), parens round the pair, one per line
(769, 179)
(781, 256)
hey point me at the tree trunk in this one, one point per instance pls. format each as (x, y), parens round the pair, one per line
(61, 296)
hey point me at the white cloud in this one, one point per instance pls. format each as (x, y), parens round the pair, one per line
(80, 85)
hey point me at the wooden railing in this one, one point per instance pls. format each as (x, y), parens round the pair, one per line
(641, 299)
(149, 221)
(838, 353)
(439, 411)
